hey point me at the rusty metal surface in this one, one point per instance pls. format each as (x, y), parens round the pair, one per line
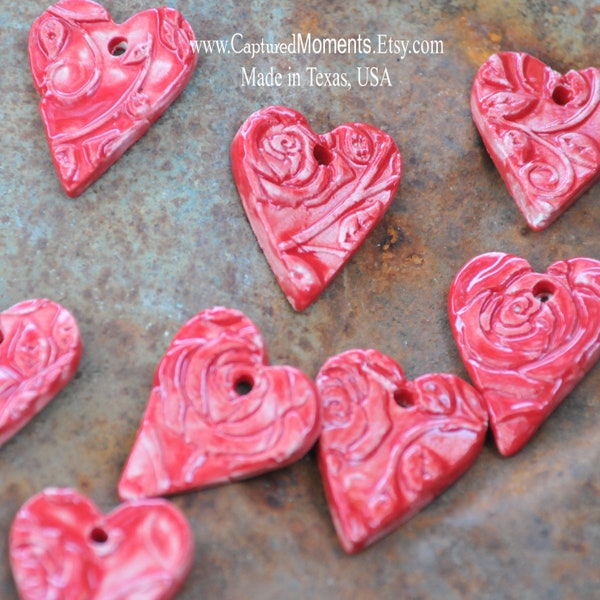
(162, 235)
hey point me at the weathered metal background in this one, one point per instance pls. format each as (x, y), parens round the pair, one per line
(162, 235)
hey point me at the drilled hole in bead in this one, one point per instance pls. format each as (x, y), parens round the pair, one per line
(99, 535)
(322, 155)
(1, 337)
(117, 46)
(543, 291)
(562, 95)
(244, 385)
(404, 398)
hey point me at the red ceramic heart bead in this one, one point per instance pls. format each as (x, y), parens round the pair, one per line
(40, 349)
(526, 338)
(217, 412)
(62, 547)
(541, 129)
(389, 446)
(311, 199)
(103, 84)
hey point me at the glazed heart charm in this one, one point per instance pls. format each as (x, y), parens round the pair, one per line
(103, 84)
(311, 199)
(526, 338)
(389, 445)
(40, 349)
(63, 547)
(217, 412)
(540, 129)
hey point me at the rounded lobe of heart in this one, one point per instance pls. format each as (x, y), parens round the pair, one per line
(389, 446)
(102, 85)
(218, 412)
(526, 338)
(62, 546)
(311, 199)
(541, 130)
(40, 350)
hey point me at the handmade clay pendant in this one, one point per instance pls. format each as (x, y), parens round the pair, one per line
(63, 547)
(541, 129)
(311, 199)
(103, 84)
(526, 338)
(217, 412)
(389, 445)
(40, 349)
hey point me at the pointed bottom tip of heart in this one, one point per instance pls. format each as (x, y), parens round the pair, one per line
(137, 487)
(512, 435)
(140, 479)
(128, 492)
(356, 542)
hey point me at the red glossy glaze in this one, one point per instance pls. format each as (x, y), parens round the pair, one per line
(103, 84)
(541, 129)
(389, 445)
(62, 547)
(311, 199)
(40, 349)
(526, 338)
(217, 412)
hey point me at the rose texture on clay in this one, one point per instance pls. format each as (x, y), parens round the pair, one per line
(526, 338)
(541, 130)
(63, 547)
(218, 412)
(40, 350)
(103, 84)
(390, 445)
(311, 199)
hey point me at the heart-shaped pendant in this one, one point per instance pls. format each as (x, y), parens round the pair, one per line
(63, 547)
(311, 199)
(40, 350)
(217, 412)
(389, 446)
(103, 84)
(540, 129)
(526, 338)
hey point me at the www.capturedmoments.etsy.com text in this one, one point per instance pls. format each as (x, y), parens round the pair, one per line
(381, 44)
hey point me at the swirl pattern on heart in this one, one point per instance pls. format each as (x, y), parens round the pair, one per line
(217, 412)
(311, 199)
(103, 84)
(541, 130)
(526, 338)
(389, 446)
(63, 547)
(40, 350)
